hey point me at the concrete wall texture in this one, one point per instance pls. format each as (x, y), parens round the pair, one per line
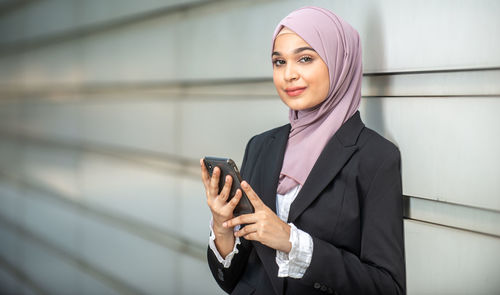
(106, 107)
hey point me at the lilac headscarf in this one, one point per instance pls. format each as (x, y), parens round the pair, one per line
(338, 45)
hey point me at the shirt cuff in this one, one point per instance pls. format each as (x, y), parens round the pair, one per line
(295, 263)
(226, 262)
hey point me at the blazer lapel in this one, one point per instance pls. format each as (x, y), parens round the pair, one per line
(331, 160)
(273, 153)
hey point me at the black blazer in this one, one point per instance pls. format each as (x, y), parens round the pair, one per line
(351, 205)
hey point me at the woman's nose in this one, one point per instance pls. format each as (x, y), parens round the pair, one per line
(291, 73)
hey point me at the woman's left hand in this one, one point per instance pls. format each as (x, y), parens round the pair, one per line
(263, 225)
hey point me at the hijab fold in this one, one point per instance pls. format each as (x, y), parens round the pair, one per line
(338, 45)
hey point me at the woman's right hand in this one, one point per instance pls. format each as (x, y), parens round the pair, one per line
(222, 210)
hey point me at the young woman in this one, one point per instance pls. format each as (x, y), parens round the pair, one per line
(326, 189)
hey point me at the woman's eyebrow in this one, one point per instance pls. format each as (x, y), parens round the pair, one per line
(298, 50)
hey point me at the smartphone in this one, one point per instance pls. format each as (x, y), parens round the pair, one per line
(228, 167)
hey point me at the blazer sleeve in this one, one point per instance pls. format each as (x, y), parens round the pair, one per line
(380, 267)
(227, 278)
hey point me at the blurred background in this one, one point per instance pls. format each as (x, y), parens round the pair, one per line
(107, 105)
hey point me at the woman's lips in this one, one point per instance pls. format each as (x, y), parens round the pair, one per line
(295, 91)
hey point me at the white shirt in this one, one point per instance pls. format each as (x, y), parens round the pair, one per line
(293, 264)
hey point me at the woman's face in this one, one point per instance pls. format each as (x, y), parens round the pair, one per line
(299, 74)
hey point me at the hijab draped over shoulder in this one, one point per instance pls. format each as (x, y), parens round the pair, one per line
(338, 45)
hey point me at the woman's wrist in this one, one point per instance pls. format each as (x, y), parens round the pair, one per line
(224, 243)
(222, 232)
(287, 246)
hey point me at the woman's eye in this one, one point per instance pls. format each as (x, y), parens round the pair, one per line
(278, 62)
(305, 59)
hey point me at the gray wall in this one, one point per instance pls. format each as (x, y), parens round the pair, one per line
(106, 107)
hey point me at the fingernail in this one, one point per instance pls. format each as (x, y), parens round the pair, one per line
(224, 224)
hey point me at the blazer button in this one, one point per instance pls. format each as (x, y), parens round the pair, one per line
(317, 285)
(323, 288)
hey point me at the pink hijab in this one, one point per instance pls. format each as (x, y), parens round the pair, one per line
(338, 44)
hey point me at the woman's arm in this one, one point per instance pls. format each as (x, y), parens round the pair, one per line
(228, 277)
(221, 209)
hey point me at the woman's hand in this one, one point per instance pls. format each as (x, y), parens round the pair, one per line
(221, 209)
(263, 225)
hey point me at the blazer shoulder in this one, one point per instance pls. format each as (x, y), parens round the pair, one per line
(255, 145)
(376, 155)
(259, 139)
(272, 132)
(377, 146)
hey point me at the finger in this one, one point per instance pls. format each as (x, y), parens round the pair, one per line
(235, 200)
(205, 177)
(252, 196)
(224, 194)
(253, 236)
(242, 219)
(214, 182)
(250, 228)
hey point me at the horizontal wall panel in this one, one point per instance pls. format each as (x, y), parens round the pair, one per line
(223, 128)
(480, 82)
(9, 117)
(54, 64)
(141, 124)
(10, 203)
(151, 268)
(148, 192)
(442, 126)
(52, 273)
(454, 215)
(49, 220)
(440, 260)
(44, 268)
(144, 193)
(194, 214)
(42, 19)
(35, 18)
(446, 83)
(10, 249)
(144, 266)
(11, 72)
(167, 127)
(447, 148)
(53, 167)
(160, 48)
(156, 57)
(44, 118)
(138, 192)
(191, 271)
(9, 284)
(148, 125)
